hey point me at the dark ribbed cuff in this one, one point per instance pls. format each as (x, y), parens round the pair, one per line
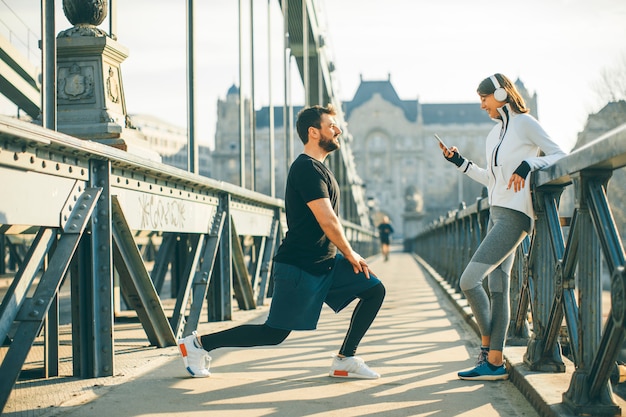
(523, 169)
(456, 159)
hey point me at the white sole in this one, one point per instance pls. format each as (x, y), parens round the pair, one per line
(344, 374)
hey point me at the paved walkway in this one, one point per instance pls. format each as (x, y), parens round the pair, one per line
(418, 343)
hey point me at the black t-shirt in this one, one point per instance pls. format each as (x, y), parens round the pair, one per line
(384, 231)
(305, 245)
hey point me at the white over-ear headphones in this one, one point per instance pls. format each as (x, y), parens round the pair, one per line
(500, 93)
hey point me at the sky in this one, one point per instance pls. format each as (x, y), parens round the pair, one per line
(434, 51)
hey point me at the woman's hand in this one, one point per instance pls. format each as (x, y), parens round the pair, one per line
(452, 155)
(518, 179)
(448, 152)
(517, 182)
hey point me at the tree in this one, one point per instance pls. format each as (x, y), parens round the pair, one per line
(611, 85)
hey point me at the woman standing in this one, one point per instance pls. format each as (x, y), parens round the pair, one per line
(512, 151)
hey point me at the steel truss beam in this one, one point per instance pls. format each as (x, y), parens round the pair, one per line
(202, 278)
(136, 284)
(32, 312)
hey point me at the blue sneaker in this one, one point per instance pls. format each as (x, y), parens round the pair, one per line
(485, 372)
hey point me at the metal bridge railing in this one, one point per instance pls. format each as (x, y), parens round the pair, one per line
(553, 278)
(88, 212)
(19, 34)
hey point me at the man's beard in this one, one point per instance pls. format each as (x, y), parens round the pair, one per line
(329, 145)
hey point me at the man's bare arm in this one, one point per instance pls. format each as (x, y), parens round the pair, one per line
(331, 226)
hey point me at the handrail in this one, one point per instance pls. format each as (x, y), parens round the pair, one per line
(32, 52)
(548, 269)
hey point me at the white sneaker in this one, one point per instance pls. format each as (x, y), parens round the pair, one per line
(351, 367)
(196, 359)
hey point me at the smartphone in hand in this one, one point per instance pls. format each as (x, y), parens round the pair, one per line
(441, 141)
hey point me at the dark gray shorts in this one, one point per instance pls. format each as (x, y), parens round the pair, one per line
(298, 295)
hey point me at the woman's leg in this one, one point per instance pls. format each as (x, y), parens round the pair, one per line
(494, 257)
(499, 287)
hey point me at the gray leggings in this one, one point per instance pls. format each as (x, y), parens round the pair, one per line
(494, 259)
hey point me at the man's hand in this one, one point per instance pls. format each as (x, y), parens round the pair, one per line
(358, 263)
(330, 224)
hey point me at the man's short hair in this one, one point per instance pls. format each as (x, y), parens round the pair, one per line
(311, 117)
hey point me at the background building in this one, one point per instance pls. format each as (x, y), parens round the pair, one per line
(170, 142)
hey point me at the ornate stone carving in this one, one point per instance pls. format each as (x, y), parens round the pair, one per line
(75, 83)
(113, 87)
(83, 30)
(92, 12)
(85, 15)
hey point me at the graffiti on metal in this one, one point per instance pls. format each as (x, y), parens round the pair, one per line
(145, 211)
(157, 212)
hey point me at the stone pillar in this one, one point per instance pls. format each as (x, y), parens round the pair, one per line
(90, 93)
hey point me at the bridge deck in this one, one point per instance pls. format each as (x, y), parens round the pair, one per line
(418, 342)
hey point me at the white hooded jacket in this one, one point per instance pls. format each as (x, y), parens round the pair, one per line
(517, 137)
